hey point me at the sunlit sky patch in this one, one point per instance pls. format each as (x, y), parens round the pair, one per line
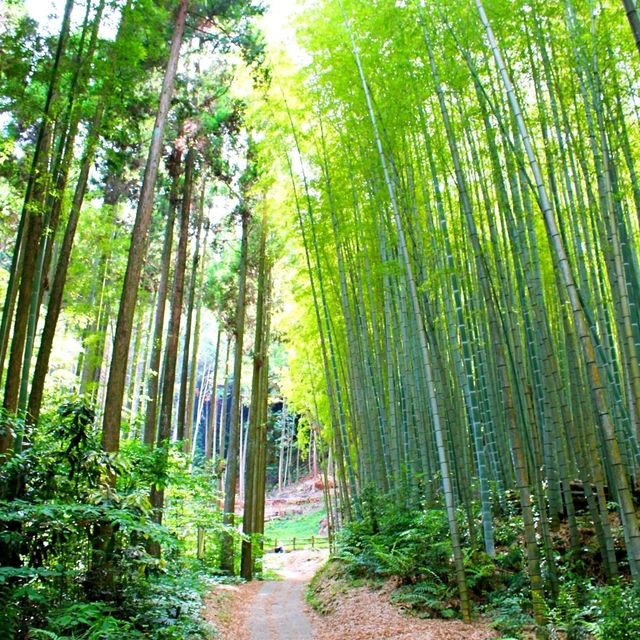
(275, 22)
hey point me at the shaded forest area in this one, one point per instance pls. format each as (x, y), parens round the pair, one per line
(393, 247)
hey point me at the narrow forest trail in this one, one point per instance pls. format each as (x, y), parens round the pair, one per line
(277, 610)
(270, 609)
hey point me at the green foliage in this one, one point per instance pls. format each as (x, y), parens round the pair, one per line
(618, 609)
(428, 597)
(582, 610)
(169, 607)
(296, 526)
(413, 545)
(610, 612)
(390, 541)
(85, 620)
(510, 617)
(62, 499)
(410, 545)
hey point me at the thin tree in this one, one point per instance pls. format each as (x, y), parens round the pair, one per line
(137, 250)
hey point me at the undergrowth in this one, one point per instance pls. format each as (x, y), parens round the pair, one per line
(77, 538)
(413, 547)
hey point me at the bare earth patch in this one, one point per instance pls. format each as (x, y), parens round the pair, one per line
(276, 610)
(227, 608)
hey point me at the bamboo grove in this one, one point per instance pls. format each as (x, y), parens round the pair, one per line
(464, 181)
(424, 232)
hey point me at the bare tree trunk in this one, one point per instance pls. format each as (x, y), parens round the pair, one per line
(138, 372)
(260, 480)
(171, 350)
(182, 417)
(250, 523)
(59, 281)
(231, 478)
(634, 20)
(55, 201)
(137, 250)
(190, 437)
(94, 337)
(224, 406)
(31, 242)
(150, 422)
(36, 174)
(210, 438)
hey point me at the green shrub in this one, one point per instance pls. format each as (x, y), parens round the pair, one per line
(618, 613)
(429, 598)
(398, 542)
(415, 546)
(510, 616)
(585, 611)
(55, 498)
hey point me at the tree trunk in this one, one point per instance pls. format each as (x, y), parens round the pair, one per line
(210, 438)
(182, 417)
(60, 278)
(634, 20)
(191, 434)
(231, 478)
(36, 174)
(173, 334)
(151, 422)
(32, 240)
(250, 524)
(137, 250)
(54, 202)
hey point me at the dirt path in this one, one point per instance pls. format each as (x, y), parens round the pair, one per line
(276, 610)
(269, 610)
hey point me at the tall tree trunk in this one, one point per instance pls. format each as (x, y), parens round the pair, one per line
(36, 174)
(224, 404)
(31, 242)
(260, 478)
(173, 334)
(231, 478)
(150, 421)
(191, 433)
(634, 20)
(210, 438)
(54, 203)
(250, 524)
(60, 278)
(137, 250)
(182, 417)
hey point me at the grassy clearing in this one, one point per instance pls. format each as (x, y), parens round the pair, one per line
(295, 526)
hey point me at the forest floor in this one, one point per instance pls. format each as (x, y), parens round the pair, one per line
(277, 610)
(296, 499)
